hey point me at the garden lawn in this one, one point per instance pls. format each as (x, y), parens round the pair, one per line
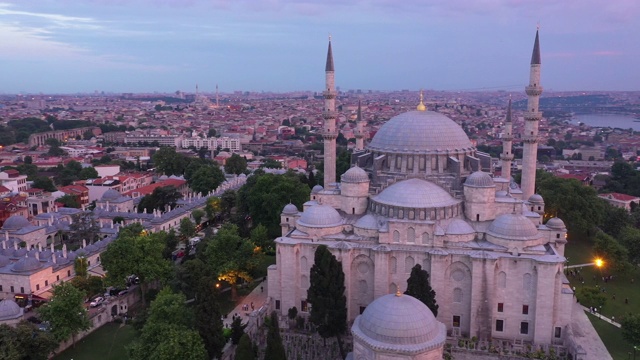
(612, 338)
(106, 343)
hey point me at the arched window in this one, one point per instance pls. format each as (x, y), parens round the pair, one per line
(396, 236)
(425, 238)
(303, 263)
(526, 282)
(409, 262)
(502, 280)
(411, 235)
(457, 295)
(304, 282)
(393, 265)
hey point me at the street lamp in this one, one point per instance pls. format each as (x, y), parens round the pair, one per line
(599, 262)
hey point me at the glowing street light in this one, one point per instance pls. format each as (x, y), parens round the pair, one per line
(599, 262)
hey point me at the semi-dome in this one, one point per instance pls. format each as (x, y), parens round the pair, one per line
(555, 223)
(459, 227)
(368, 222)
(415, 193)
(399, 321)
(536, 199)
(355, 175)
(290, 209)
(9, 309)
(320, 216)
(479, 179)
(420, 132)
(26, 264)
(15, 222)
(513, 227)
(110, 195)
(316, 189)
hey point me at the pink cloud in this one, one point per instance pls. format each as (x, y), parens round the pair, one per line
(607, 53)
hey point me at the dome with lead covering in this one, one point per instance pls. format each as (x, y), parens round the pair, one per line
(320, 216)
(513, 227)
(555, 223)
(536, 199)
(420, 132)
(316, 189)
(110, 195)
(26, 264)
(415, 193)
(368, 222)
(355, 175)
(9, 309)
(4, 260)
(479, 179)
(459, 227)
(15, 222)
(290, 209)
(399, 322)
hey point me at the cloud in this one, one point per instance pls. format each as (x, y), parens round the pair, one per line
(607, 53)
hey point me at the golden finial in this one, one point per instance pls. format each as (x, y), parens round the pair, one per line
(398, 293)
(329, 36)
(421, 106)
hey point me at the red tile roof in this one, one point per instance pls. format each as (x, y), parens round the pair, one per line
(146, 190)
(620, 197)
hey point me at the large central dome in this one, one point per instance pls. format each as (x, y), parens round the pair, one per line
(420, 132)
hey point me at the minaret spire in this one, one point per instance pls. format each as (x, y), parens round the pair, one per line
(507, 138)
(532, 117)
(329, 133)
(359, 129)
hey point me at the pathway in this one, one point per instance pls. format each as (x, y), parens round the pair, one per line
(597, 314)
(258, 297)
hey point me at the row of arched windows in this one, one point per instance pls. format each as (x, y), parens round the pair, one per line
(422, 214)
(425, 238)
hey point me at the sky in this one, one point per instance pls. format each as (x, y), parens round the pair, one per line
(70, 46)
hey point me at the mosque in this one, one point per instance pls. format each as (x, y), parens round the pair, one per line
(420, 193)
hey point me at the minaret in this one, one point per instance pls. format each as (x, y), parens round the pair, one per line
(359, 130)
(532, 116)
(507, 138)
(329, 113)
(217, 98)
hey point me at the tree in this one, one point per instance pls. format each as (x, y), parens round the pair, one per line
(211, 133)
(237, 329)
(80, 266)
(83, 227)
(271, 164)
(139, 254)
(213, 206)
(236, 164)
(69, 173)
(197, 215)
(161, 198)
(206, 179)
(88, 173)
(631, 329)
(52, 142)
(592, 297)
(56, 151)
(90, 286)
(208, 317)
(69, 201)
(244, 351)
(167, 333)
(615, 256)
(614, 220)
(187, 228)
(275, 349)
(419, 287)
(260, 237)
(167, 161)
(263, 196)
(230, 257)
(25, 342)
(44, 183)
(326, 295)
(65, 312)
(630, 238)
(227, 202)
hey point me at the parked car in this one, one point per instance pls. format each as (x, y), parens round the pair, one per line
(97, 301)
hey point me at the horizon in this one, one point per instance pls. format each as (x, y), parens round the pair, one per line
(279, 46)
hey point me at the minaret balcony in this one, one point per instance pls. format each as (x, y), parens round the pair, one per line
(329, 135)
(330, 114)
(533, 90)
(532, 115)
(507, 138)
(530, 139)
(329, 94)
(506, 157)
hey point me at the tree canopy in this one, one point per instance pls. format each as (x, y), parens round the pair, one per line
(419, 287)
(326, 295)
(65, 312)
(631, 329)
(275, 349)
(167, 161)
(244, 351)
(206, 179)
(161, 198)
(25, 342)
(236, 164)
(69, 201)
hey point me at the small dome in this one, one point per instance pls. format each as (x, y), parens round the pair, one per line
(459, 227)
(21, 252)
(368, 222)
(71, 255)
(398, 320)
(536, 199)
(16, 222)
(4, 260)
(89, 249)
(513, 227)
(290, 209)
(479, 179)
(415, 193)
(502, 194)
(26, 264)
(9, 310)
(320, 216)
(556, 223)
(355, 175)
(316, 189)
(110, 195)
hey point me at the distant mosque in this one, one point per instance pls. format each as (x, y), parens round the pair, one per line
(421, 193)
